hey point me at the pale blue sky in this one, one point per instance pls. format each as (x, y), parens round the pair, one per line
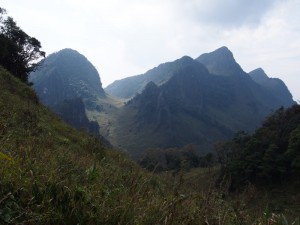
(124, 38)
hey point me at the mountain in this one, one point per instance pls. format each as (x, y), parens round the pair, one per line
(130, 86)
(66, 75)
(53, 174)
(274, 85)
(69, 85)
(221, 62)
(199, 104)
(188, 101)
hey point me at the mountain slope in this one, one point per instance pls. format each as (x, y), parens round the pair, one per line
(274, 85)
(53, 174)
(65, 81)
(73, 113)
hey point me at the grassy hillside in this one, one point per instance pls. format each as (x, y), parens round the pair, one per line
(53, 174)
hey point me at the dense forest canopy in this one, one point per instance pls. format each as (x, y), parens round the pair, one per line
(270, 156)
(19, 52)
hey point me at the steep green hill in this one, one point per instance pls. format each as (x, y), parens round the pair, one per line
(52, 174)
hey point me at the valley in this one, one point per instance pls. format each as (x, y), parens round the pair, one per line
(191, 141)
(187, 101)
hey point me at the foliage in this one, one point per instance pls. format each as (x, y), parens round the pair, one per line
(269, 156)
(52, 174)
(19, 53)
(175, 159)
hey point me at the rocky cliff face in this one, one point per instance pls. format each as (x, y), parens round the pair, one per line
(72, 111)
(66, 75)
(69, 85)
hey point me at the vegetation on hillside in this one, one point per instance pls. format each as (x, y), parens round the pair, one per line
(270, 156)
(53, 174)
(175, 159)
(19, 53)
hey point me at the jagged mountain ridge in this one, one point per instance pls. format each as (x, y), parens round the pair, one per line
(196, 106)
(183, 102)
(130, 86)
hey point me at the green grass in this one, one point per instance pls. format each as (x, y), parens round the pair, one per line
(53, 174)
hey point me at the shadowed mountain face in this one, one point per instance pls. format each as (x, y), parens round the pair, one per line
(66, 75)
(274, 85)
(69, 84)
(221, 62)
(72, 111)
(198, 104)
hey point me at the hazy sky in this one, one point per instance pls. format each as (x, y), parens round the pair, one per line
(129, 37)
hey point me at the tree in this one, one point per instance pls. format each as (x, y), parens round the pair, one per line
(19, 53)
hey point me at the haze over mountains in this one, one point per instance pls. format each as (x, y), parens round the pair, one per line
(188, 101)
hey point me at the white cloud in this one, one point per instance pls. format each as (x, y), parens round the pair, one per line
(123, 38)
(231, 13)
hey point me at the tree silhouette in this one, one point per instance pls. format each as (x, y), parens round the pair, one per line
(19, 53)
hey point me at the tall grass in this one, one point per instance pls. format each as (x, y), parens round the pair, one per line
(53, 174)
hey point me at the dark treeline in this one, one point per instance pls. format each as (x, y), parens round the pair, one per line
(268, 157)
(175, 159)
(19, 53)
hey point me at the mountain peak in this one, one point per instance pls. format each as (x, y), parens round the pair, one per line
(68, 50)
(259, 75)
(223, 50)
(151, 85)
(64, 75)
(220, 62)
(186, 58)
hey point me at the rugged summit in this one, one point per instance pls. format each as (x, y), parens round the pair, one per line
(221, 62)
(69, 84)
(65, 75)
